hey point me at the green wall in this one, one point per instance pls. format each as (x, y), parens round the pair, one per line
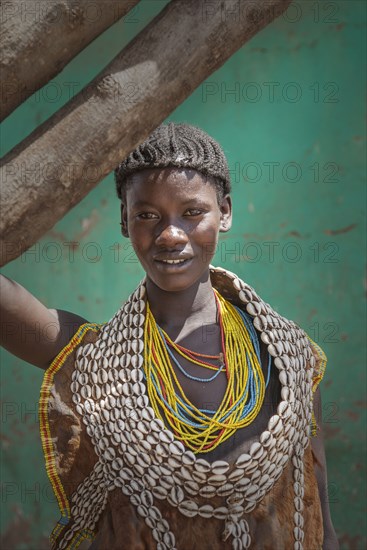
(287, 109)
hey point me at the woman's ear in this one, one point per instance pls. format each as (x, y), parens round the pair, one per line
(225, 214)
(123, 223)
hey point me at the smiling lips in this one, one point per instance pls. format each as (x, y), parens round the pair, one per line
(172, 261)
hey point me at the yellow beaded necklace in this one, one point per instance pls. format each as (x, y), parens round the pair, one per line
(201, 430)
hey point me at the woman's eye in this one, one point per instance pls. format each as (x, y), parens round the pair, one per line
(147, 216)
(193, 212)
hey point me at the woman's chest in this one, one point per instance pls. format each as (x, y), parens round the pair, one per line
(206, 393)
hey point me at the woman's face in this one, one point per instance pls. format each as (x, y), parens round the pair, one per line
(173, 218)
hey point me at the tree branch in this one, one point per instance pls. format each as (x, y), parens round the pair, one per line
(39, 38)
(62, 160)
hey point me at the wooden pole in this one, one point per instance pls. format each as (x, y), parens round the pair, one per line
(38, 38)
(62, 160)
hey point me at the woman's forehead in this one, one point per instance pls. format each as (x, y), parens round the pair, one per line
(177, 180)
(168, 174)
(169, 185)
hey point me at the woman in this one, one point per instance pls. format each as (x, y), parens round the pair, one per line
(185, 421)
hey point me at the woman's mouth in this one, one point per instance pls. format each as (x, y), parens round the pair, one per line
(173, 263)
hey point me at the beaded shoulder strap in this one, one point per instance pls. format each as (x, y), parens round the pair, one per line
(139, 455)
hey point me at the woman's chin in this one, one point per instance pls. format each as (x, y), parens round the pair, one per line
(177, 277)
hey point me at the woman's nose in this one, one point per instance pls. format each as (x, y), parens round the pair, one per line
(171, 235)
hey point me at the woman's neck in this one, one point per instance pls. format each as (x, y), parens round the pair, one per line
(182, 311)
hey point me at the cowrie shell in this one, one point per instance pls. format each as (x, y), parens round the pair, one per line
(219, 467)
(243, 460)
(188, 508)
(206, 511)
(202, 465)
(220, 513)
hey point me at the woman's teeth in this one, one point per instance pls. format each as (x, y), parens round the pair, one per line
(173, 261)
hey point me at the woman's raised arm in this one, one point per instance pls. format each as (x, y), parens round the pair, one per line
(29, 329)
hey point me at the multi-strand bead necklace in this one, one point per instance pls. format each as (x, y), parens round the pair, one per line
(202, 430)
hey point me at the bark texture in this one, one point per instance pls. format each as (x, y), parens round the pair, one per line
(38, 38)
(62, 160)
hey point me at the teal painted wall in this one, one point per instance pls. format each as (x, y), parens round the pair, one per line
(287, 109)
